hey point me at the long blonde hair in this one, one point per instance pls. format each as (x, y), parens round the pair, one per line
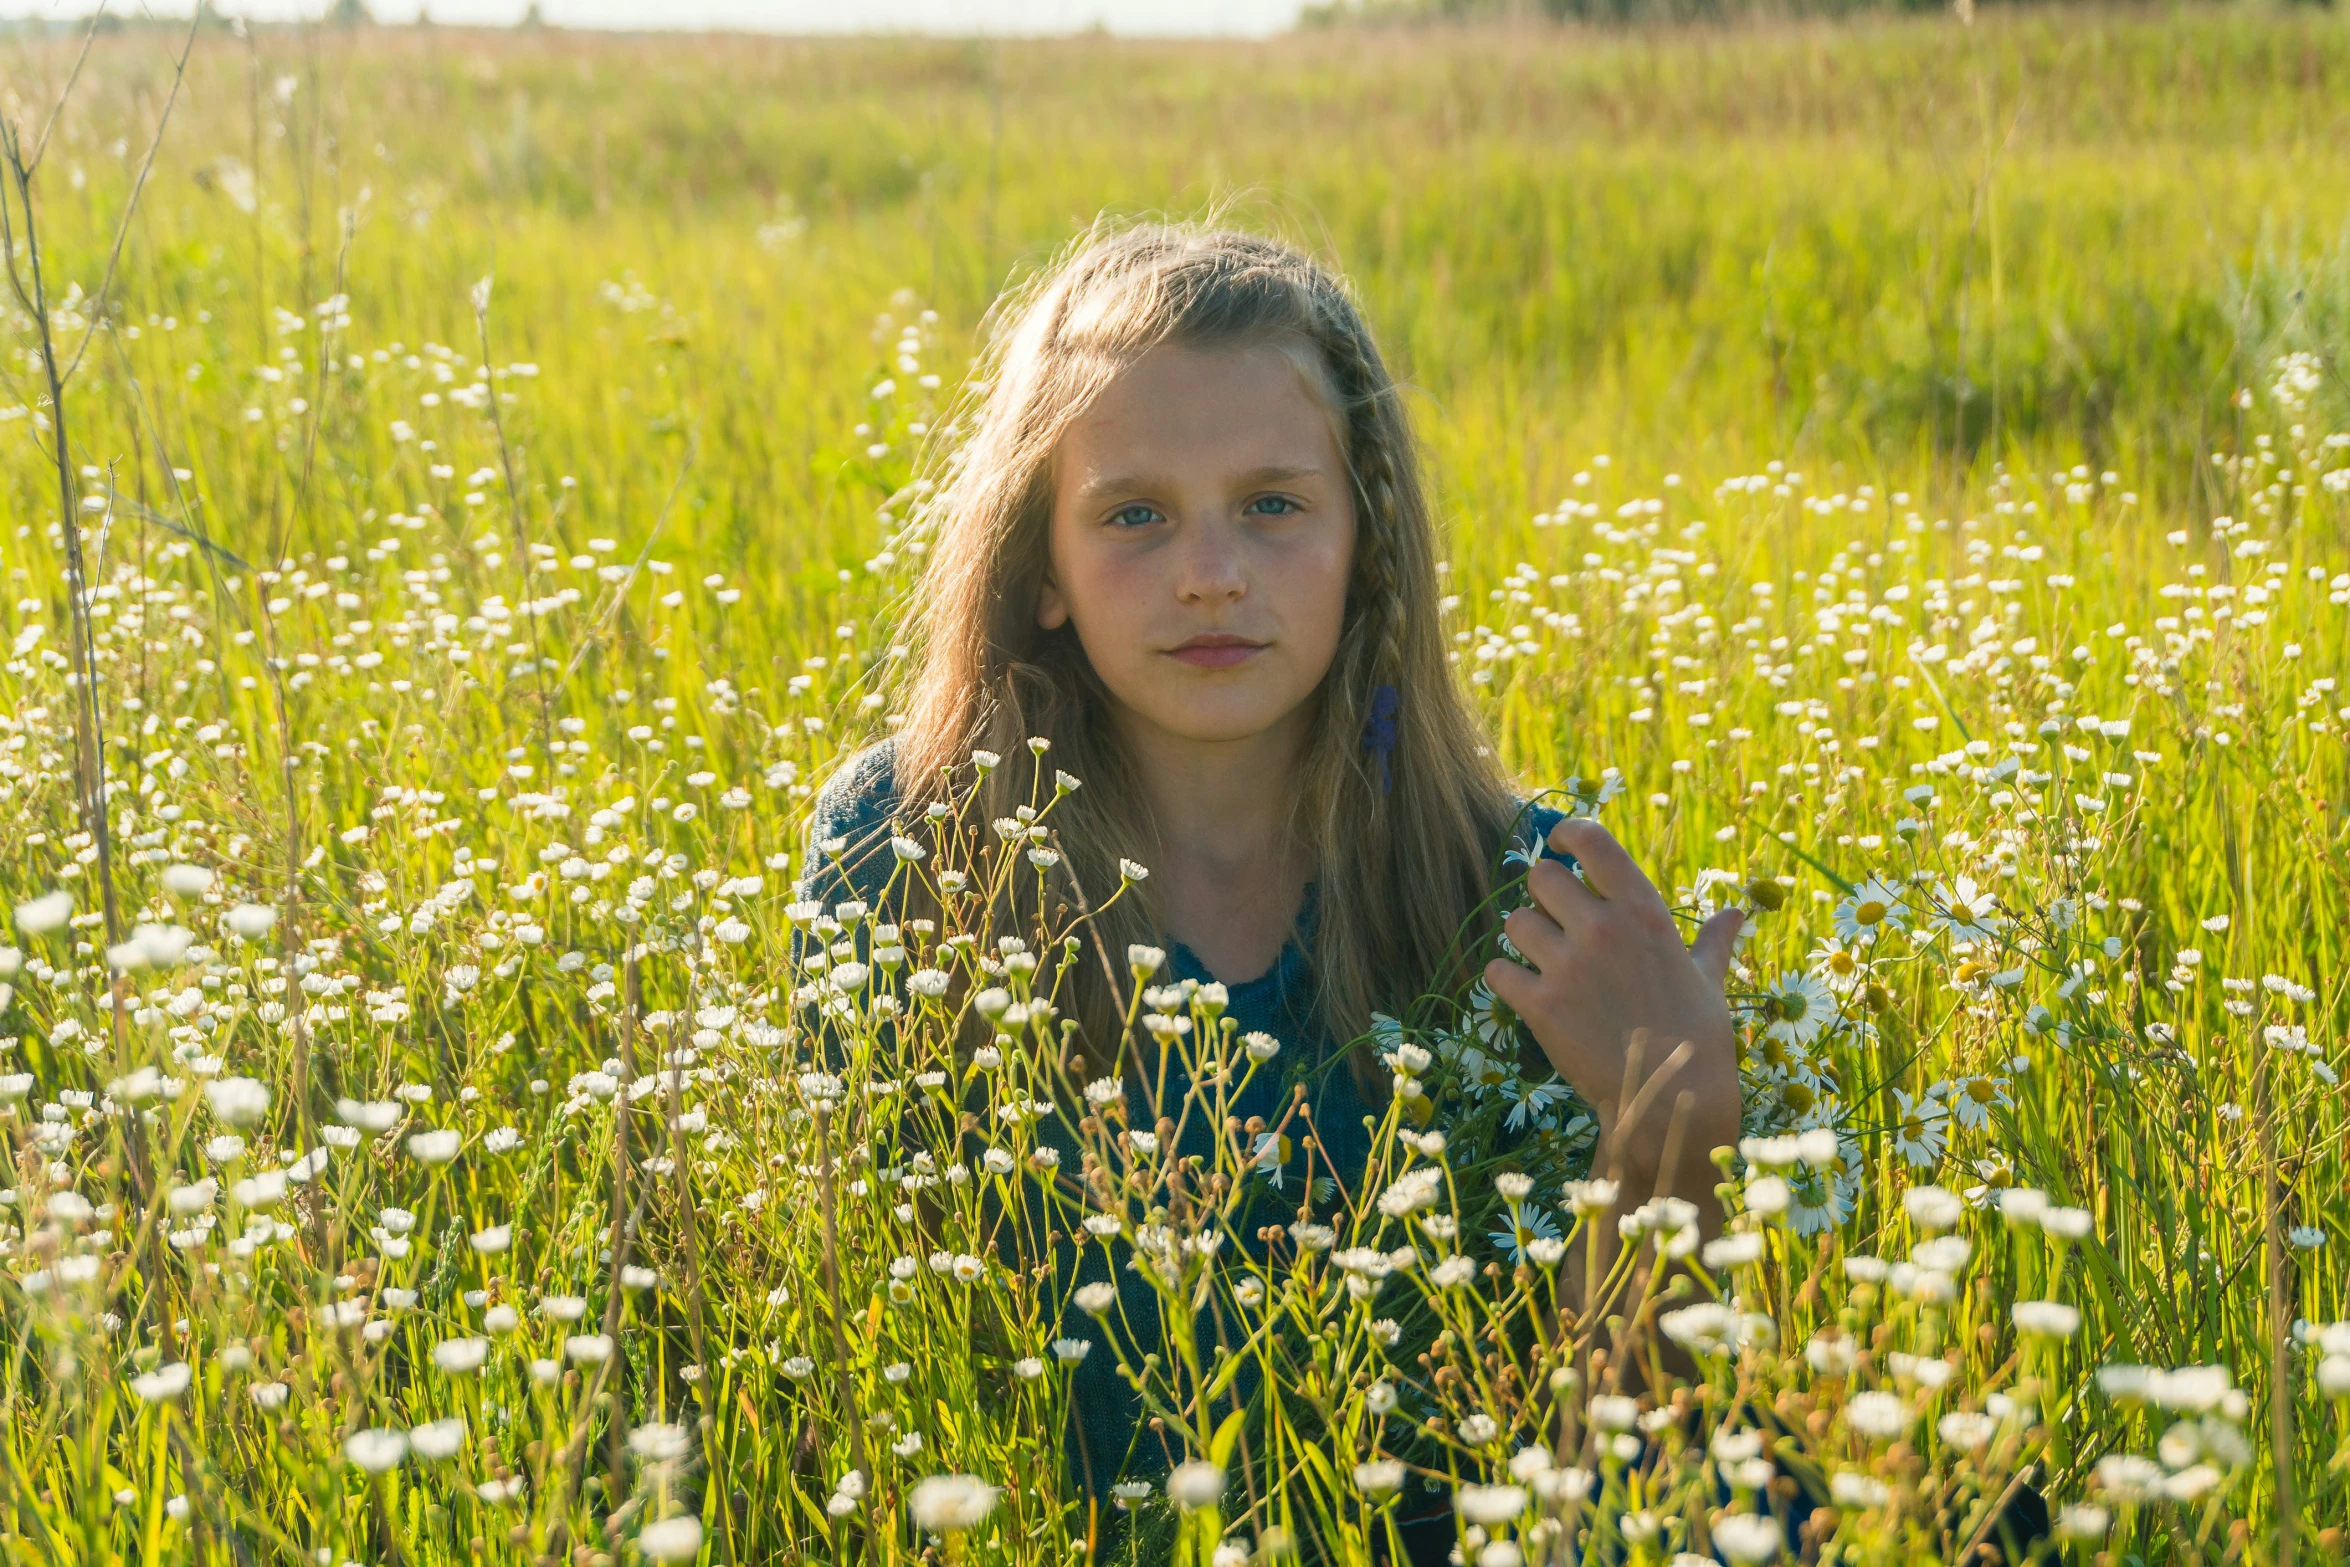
(1400, 868)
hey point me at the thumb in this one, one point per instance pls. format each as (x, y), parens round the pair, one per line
(1716, 940)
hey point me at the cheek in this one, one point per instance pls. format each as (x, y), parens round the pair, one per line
(1106, 598)
(1327, 568)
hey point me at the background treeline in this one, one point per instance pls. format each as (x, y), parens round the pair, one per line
(2062, 234)
(1339, 13)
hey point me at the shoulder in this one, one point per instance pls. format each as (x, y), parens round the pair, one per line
(851, 824)
(861, 794)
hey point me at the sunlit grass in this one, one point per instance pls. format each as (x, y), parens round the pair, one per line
(494, 795)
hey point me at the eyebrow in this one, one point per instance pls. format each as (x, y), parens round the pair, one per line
(1273, 473)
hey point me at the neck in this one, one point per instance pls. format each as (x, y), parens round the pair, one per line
(1222, 806)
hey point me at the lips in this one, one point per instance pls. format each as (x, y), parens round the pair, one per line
(1216, 650)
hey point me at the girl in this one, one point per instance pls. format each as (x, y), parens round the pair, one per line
(1185, 542)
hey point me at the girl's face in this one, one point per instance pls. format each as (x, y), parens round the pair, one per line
(1203, 533)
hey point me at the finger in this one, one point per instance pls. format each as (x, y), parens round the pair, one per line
(1559, 894)
(1537, 935)
(1513, 983)
(1716, 941)
(1607, 869)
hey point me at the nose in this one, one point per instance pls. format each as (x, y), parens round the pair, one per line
(1211, 570)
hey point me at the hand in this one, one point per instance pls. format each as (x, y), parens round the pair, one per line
(1609, 969)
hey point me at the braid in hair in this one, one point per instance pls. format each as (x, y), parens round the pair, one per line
(1382, 575)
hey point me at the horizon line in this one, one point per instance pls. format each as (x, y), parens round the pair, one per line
(943, 20)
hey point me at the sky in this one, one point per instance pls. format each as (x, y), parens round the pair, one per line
(1141, 18)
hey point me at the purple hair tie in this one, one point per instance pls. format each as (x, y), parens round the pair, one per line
(1379, 730)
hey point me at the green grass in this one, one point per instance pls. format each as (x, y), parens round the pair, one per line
(1904, 246)
(1928, 269)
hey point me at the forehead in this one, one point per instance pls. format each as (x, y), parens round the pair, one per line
(1237, 407)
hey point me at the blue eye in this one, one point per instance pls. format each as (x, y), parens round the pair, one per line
(1281, 500)
(1125, 516)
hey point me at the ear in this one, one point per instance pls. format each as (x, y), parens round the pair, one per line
(1052, 610)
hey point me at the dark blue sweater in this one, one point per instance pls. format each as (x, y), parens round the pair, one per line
(859, 805)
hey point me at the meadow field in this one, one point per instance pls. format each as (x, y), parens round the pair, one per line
(1896, 474)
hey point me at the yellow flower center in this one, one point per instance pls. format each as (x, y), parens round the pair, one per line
(1868, 911)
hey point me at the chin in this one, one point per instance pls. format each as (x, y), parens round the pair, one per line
(1214, 723)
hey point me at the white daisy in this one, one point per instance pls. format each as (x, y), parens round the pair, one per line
(1482, 1074)
(1797, 1008)
(1707, 896)
(1533, 1224)
(1921, 1130)
(1822, 1196)
(1970, 913)
(1534, 1099)
(1875, 905)
(1821, 1199)
(1839, 967)
(1270, 1157)
(1586, 796)
(1490, 1021)
(1972, 1099)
